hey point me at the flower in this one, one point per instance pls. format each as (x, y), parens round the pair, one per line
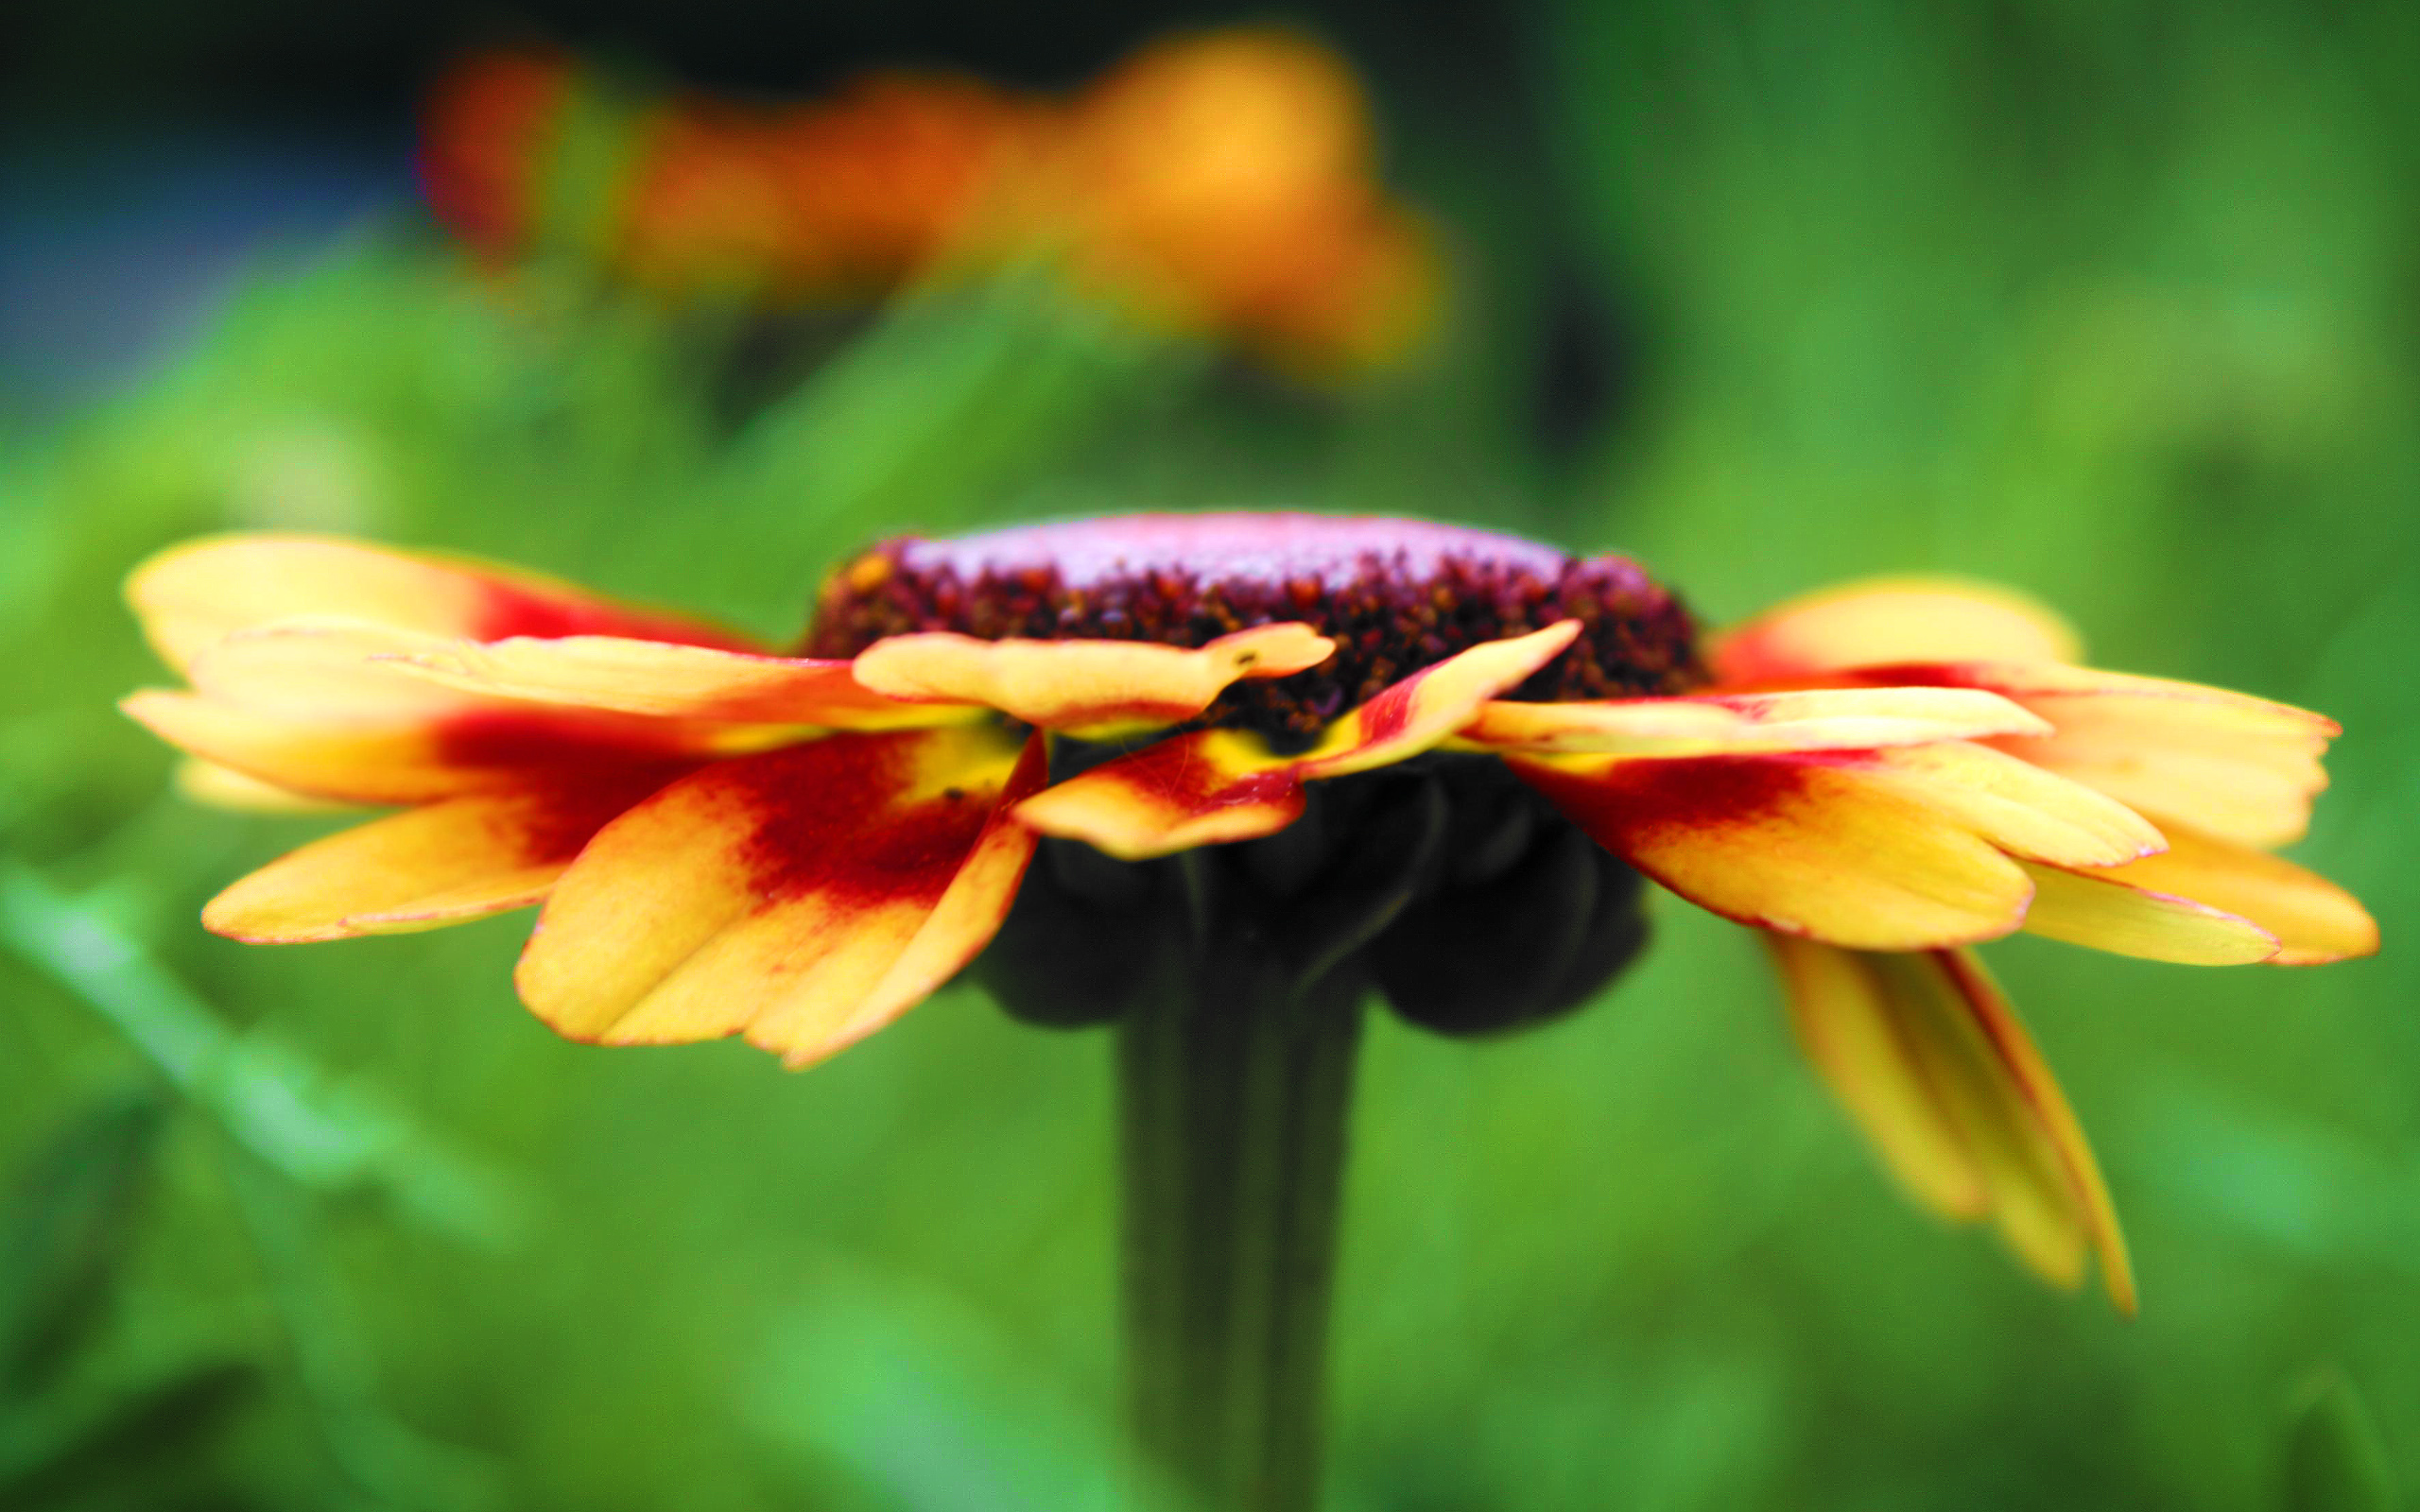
(1222, 183)
(1395, 740)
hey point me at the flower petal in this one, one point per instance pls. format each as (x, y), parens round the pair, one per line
(1813, 845)
(1094, 686)
(1420, 712)
(1939, 1072)
(223, 787)
(2097, 910)
(1895, 619)
(413, 762)
(191, 596)
(1752, 723)
(657, 679)
(2313, 919)
(1204, 788)
(446, 863)
(1215, 785)
(2207, 901)
(2226, 763)
(2025, 811)
(1846, 1028)
(1885, 850)
(800, 896)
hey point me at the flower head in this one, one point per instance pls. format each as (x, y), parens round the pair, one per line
(1224, 183)
(1438, 758)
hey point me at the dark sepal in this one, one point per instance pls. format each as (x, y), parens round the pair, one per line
(1066, 960)
(1515, 952)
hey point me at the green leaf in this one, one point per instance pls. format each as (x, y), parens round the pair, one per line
(2334, 1461)
(68, 1222)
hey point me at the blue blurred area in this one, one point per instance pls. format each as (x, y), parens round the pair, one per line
(116, 247)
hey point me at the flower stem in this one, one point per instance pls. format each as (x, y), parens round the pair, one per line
(1234, 1091)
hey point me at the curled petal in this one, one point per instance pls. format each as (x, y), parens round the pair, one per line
(193, 595)
(669, 681)
(446, 863)
(1214, 786)
(2207, 901)
(1939, 1073)
(1752, 723)
(804, 895)
(1902, 619)
(470, 752)
(1886, 849)
(1204, 788)
(1420, 712)
(1091, 686)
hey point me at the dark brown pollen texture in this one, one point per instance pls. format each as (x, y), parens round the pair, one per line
(1395, 594)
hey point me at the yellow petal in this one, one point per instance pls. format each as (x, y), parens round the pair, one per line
(1206, 787)
(1940, 1074)
(223, 787)
(969, 914)
(1752, 723)
(1091, 686)
(663, 680)
(1902, 619)
(408, 763)
(1841, 846)
(191, 596)
(2227, 764)
(2313, 919)
(2206, 902)
(2097, 910)
(2025, 811)
(1420, 712)
(777, 895)
(461, 859)
(1845, 1025)
(1210, 786)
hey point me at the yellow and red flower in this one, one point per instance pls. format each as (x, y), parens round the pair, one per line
(1222, 183)
(729, 840)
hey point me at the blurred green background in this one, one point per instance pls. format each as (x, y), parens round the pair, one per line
(2120, 302)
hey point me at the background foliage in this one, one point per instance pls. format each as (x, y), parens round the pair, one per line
(2118, 302)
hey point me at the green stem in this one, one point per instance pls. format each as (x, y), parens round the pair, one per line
(1234, 1093)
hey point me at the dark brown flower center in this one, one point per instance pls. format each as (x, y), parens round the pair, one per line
(1396, 596)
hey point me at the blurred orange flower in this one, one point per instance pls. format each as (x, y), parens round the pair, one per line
(1219, 184)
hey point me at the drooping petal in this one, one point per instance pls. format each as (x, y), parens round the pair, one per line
(191, 596)
(2206, 902)
(446, 863)
(2227, 764)
(1890, 849)
(669, 681)
(800, 896)
(1901, 619)
(1751, 723)
(1215, 785)
(474, 752)
(1940, 1074)
(1846, 1029)
(1090, 686)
